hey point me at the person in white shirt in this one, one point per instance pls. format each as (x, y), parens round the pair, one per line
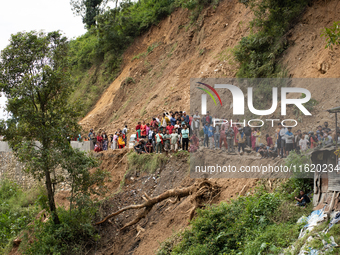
(125, 131)
(303, 143)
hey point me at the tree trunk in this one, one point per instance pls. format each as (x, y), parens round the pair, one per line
(51, 201)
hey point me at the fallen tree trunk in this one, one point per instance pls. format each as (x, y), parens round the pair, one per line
(197, 190)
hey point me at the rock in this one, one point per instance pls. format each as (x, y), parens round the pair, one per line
(323, 67)
(17, 241)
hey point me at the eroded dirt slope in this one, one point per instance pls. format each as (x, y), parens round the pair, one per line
(161, 80)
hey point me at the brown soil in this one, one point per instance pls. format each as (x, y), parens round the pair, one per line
(162, 77)
(165, 218)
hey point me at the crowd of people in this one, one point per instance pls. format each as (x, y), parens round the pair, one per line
(164, 133)
(101, 141)
(281, 144)
(177, 130)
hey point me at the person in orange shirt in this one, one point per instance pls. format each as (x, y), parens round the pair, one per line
(143, 130)
(121, 143)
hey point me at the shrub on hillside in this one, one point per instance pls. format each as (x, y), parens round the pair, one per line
(17, 209)
(257, 53)
(248, 225)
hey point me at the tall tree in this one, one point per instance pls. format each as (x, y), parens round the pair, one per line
(35, 79)
(87, 9)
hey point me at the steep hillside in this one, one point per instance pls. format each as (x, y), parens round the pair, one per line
(155, 77)
(158, 66)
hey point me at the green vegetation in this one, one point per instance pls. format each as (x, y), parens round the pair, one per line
(148, 51)
(300, 180)
(17, 209)
(87, 9)
(258, 52)
(33, 68)
(96, 56)
(146, 162)
(72, 236)
(196, 6)
(173, 48)
(18, 218)
(248, 225)
(263, 223)
(309, 105)
(34, 76)
(332, 35)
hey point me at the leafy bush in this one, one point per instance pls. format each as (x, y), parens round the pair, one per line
(71, 236)
(83, 51)
(258, 52)
(332, 35)
(300, 180)
(117, 28)
(17, 209)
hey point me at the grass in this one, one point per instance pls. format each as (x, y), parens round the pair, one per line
(181, 154)
(148, 163)
(145, 163)
(173, 48)
(17, 209)
(147, 52)
(226, 55)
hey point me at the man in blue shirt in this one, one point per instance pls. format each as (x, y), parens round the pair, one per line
(173, 120)
(289, 140)
(90, 134)
(186, 117)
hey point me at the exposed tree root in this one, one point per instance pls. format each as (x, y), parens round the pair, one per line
(202, 193)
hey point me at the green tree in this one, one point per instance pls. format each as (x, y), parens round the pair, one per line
(35, 79)
(87, 9)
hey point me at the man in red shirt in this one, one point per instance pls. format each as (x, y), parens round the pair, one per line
(170, 128)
